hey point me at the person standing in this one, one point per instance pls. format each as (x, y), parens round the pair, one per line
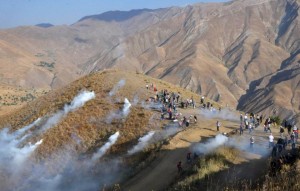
(250, 128)
(241, 128)
(271, 140)
(281, 130)
(218, 125)
(202, 100)
(179, 167)
(251, 142)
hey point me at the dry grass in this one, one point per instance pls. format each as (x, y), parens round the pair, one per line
(205, 166)
(87, 123)
(12, 98)
(203, 174)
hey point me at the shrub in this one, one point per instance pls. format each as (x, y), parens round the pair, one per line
(276, 119)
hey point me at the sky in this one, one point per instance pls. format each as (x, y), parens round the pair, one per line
(31, 12)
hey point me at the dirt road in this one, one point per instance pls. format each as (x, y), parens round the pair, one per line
(162, 171)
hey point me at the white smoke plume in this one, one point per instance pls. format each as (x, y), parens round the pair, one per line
(116, 88)
(210, 145)
(77, 102)
(143, 142)
(112, 140)
(126, 107)
(135, 100)
(152, 105)
(224, 114)
(119, 114)
(12, 156)
(74, 173)
(243, 143)
(26, 128)
(167, 132)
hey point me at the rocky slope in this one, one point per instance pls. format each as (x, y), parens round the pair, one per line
(244, 53)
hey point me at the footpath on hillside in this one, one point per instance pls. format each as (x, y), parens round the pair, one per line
(162, 171)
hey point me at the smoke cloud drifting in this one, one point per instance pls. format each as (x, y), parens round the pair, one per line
(224, 114)
(13, 157)
(210, 145)
(143, 142)
(119, 114)
(243, 143)
(116, 88)
(112, 140)
(77, 102)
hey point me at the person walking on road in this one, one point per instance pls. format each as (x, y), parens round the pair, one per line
(251, 142)
(218, 125)
(271, 140)
(179, 167)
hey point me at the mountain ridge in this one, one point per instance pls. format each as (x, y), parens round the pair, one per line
(215, 49)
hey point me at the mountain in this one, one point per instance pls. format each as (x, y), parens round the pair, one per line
(44, 25)
(57, 141)
(243, 53)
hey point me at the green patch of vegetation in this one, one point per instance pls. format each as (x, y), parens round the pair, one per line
(27, 97)
(49, 66)
(39, 55)
(276, 119)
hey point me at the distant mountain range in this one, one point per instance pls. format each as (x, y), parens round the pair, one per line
(243, 53)
(44, 25)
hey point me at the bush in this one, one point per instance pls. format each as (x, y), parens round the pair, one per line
(276, 119)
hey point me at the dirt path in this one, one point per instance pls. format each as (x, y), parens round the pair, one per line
(162, 171)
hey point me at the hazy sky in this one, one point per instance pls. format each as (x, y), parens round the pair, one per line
(30, 12)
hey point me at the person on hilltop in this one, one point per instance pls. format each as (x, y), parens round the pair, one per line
(241, 128)
(251, 142)
(218, 124)
(289, 127)
(202, 100)
(177, 97)
(260, 119)
(241, 118)
(271, 140)
(281, 130)
(179, 167)
(250, 127)
(295, 130)
(195, 119)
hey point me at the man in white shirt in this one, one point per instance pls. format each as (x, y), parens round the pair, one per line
(271, 140)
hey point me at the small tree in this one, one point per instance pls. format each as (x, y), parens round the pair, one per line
(276, 119)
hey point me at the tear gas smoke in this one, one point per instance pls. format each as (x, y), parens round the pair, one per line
(77, 102)
(243, 143)
(210, 145)
(225, 114)
(12, 157)
(73, 173)
(119, 114)
(126, 107)
(152, 105)
(26, 128)
(112, 140)
(168, 131)
(143, 142)
(116, 88)
(135, 100)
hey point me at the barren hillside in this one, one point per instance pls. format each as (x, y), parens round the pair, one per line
(79, 137)
(244, 53)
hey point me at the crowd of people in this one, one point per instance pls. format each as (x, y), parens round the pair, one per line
(170, 101)
(252, 121)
